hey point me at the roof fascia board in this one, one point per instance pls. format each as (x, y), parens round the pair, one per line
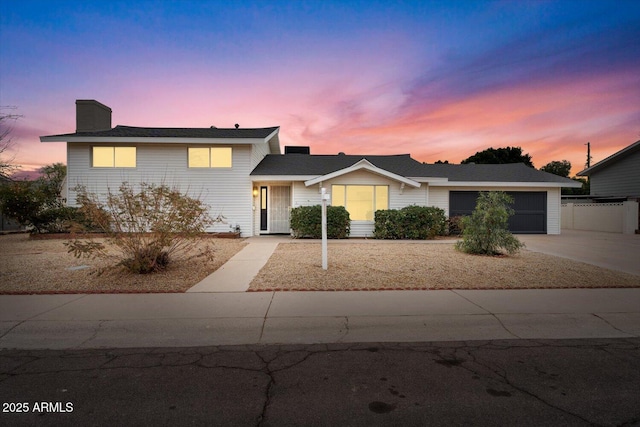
(363, 164)
(257, 178)
(273, 141)
(506, 184)
(428, 180)
(153, 140)
(272, 134)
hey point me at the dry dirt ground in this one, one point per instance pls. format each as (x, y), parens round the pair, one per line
(42, 266)
(405, 265)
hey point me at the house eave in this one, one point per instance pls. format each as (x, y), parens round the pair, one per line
(289, 178)
(360, 165)
(154, 140)
(506, 184)
(429, 180)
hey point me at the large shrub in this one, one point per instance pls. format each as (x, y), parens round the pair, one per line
(411, 222)
(38, 205)
(147, 226)
(306, 221)
(486, 231)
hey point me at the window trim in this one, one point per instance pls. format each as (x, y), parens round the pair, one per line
(210, 157)
(113, 164)
(373, 200)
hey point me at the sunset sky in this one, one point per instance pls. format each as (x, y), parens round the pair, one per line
(440, 80)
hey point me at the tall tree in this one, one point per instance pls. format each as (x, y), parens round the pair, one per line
(558, 167)
(51, 181)
(6, 163)
(500, 156)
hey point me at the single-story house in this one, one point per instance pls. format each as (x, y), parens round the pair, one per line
(242, 174)
(616, 177)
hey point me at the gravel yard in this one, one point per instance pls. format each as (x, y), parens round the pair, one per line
(409, 265)
(42, 266)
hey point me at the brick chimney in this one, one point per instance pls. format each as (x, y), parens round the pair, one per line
(92, 116)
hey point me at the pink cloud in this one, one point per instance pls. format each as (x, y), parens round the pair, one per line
(362, 113)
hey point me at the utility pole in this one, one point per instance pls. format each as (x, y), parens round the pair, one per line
(588, 144)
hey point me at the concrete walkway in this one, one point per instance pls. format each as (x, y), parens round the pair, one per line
(237, 273)
(202, 319)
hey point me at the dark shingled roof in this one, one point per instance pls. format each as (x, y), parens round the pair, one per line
(138, 132)
(510, 172)
(404, 165)
(305, 164)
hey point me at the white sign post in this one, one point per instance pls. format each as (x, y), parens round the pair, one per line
(325, 197)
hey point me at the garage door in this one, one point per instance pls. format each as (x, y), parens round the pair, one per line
(530, 209)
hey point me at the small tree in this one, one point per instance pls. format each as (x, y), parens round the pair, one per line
(486, 230)
(38, 204)
(148, 227)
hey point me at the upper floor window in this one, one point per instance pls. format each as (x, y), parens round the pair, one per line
(114, 157)
(361, 201)
(210, 157)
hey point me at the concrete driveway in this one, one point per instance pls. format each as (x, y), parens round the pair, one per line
(614, 251)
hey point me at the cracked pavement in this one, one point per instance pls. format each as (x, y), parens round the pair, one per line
(493, 382)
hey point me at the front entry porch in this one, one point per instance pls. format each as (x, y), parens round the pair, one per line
(272, 207)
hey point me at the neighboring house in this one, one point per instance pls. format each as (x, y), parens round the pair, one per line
(616, 177)
(241, 174)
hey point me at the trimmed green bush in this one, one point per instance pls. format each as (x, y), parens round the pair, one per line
(306, 222)
(411, 222)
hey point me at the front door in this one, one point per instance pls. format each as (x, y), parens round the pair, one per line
(280, 199)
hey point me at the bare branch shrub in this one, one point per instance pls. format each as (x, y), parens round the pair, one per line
(148, 227)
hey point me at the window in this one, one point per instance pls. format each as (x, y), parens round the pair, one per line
(209, 157)
(114, 157)
(360, 200)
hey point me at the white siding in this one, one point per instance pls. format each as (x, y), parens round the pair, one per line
(309, 196)
(258, 152)
(439, 197)
(226, 191)
(554, 214)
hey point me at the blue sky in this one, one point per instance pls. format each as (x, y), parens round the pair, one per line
(438, 80)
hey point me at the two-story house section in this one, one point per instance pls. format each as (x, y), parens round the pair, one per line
(212, 164)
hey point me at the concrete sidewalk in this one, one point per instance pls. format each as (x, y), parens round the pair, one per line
(202, 319)
(218, 311)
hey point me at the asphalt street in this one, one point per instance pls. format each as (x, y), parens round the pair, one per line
(500, 382)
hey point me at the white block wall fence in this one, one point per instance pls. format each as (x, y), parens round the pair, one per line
(607, 217)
